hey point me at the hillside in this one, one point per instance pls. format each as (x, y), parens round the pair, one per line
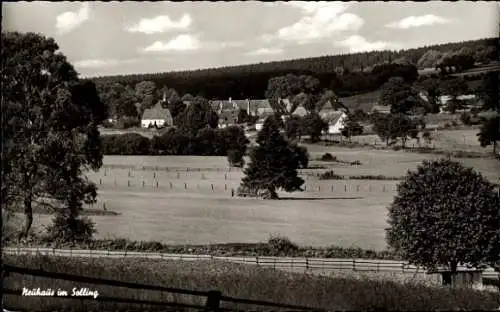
(250, 81)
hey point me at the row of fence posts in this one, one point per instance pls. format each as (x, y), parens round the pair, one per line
(157, 185)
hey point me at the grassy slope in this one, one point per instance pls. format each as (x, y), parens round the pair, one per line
(333, 293)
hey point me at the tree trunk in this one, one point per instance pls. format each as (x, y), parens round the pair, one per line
(28, 212)
(272, 193)
(453, 271)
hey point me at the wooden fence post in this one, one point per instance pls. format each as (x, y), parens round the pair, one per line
(332, 188)
(128, 182)
(100, 181)
(171, 186)
(143, 183)
(319, 188)
(157, 184)
(104, 206)
(307, 263)
(257, 260)
(185, 186)
(354, 264)
(345, 187)
(154, 175)
(212, 186)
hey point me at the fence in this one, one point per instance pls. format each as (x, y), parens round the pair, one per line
(294, 263)
(213, 301)
(231, 187)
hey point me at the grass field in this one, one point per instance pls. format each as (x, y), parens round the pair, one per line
(337, 292)
(450, 140)
(180, 207)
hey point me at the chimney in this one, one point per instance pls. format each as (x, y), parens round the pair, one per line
(248, 107)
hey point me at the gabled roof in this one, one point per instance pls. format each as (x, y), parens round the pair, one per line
(331, 116)
(157, 112)
(381, 108)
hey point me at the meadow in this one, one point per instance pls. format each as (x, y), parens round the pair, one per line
(334, 293)
(188, 200)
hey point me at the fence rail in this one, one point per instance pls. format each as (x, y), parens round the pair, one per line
(214, 298)
(298, 263)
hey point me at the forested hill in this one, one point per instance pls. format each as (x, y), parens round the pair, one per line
(250, 81)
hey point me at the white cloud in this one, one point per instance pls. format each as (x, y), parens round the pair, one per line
(265, 51)
(67, 21)
(321, 20)
(160, 24)
(180, 43)
(418, 21)
(101, 63)
(360, 44)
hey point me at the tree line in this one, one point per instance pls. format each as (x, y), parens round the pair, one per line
(348, 74)
(230, 141)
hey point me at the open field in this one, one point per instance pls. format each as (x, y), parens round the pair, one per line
(450, 140)
(340, 291)
(176, 206)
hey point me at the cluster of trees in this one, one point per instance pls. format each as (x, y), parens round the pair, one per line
(49, 134)
(230, 141)
(347, 74)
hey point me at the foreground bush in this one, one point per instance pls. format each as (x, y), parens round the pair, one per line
(234, 280)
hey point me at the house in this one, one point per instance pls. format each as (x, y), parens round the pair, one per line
(335, 119)
(381, 109)
(228, 117)
(156, 115)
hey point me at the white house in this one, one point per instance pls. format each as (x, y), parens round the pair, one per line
(335, 119)
(156, 115)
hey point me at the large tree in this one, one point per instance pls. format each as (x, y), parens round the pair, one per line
(489, 134)
(454, 87)
(399, 95)
(146, 94)
(274, 161)
(445, 214)
(197, 116)
(431, 87)
(50, 133)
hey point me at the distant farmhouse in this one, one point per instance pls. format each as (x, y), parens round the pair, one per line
(156, 116)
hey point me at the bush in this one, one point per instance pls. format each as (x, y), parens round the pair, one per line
(328, 157)
(281, 245)
(465, 118)
(235, 158)
(330, 175)
(67, 229)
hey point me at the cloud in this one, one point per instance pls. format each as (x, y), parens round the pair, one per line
(160, 24)
(360, 44)
(418, 21)
(321, 20)
(102, 63)
(265, 51)
(182, 42)
(67, 21)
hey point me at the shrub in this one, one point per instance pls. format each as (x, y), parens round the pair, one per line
(69, 229)
(235, 158)
(465, 118)
(330, 175)
(280, 245)
(328, 157)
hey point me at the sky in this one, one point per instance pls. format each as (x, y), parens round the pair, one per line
(114, 38)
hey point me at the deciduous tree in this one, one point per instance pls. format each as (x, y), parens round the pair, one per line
(50, 133)
(489, 134)
(445, 214)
